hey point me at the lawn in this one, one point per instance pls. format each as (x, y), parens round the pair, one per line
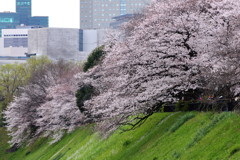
(164, 136)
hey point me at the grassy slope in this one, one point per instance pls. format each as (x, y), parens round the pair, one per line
(164, 136)
(3, 144)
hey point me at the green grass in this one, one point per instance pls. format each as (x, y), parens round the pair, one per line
(181, 121)
(3, 144)
(164, 136)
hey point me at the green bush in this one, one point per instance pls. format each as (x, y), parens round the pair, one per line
(126, 143)
(1, 120)
(84, 93)
(94, 58)
(182, 106)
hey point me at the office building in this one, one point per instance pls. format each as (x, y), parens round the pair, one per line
(24, 10)
(14, 42)
(98, 14)
(119, 20)
(15, 38)
(8, 20)
(23, 15)
(38, 21)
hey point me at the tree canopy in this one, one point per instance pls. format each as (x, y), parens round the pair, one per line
(170, 50)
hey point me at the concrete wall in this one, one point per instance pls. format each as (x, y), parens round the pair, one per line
(57, 43)
(102, 33)
(37, 41)
(93, 39)
(14, 51)
(90, 40)
(1, 46)
(11, 51)
(82, 56)
(63, 43)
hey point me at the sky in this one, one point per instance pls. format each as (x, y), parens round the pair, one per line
(62, 13)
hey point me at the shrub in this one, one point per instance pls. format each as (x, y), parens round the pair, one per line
(1, 120)
(94, 58)
(182, 106)
(126, 143)
(83, 94)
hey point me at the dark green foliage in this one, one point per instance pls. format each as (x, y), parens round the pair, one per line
(126, 143)
(84, 93)
(182, 106)
(234, 150)
(94, 58)
(27, 153)
(181, 121)
(1, 120)
(176, 155)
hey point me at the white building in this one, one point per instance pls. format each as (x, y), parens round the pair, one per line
(56, 43)
(14, 42)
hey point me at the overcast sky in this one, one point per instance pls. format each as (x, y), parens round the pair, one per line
(62, 13)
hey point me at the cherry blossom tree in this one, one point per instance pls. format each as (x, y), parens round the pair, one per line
(160, 57)
(46, 106)
(59, 113)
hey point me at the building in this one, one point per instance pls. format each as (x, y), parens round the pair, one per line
(24, 10)
(92, 39)
(8, 20)
(119, 20)
(14, 42)
(56, 43)
(1, 46)
(38, 21)
(23, 15)
(64, 43)
(96, 14)
(15, 38)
